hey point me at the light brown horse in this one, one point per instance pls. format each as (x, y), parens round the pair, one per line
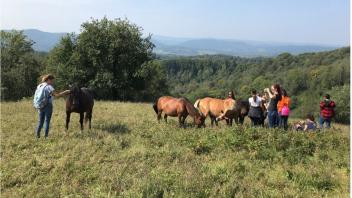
(216, 109)
(177, 107)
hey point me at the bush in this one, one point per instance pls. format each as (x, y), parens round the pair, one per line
(341, 96)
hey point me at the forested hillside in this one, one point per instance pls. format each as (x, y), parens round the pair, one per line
(306, 77)
(114, 59)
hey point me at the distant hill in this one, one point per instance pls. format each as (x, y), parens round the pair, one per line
(44, 41)
(192, 47)
(164, 45)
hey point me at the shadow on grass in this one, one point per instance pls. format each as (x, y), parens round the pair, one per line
(115, 128)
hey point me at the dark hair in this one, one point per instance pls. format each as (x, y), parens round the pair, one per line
(278, 88)
(232, 94)
(327, 96)
(254, 92)
(284, 93)
(311, 117)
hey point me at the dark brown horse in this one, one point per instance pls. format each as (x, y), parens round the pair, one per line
(239, 113)
(177, 107)
(80, 100)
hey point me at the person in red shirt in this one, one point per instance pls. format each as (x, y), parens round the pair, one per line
(326, 111)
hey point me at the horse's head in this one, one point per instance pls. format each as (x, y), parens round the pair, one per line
(244, 108)
(199, 120)
(75, 96)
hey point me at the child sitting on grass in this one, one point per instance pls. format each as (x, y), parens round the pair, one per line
(306, 125)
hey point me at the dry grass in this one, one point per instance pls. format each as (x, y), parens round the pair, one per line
(127, 153)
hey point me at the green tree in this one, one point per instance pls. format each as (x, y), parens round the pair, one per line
(20, 66)
(107, 56)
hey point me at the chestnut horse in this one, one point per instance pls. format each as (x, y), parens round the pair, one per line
(216, 109)
(80, 101)
(177, 107)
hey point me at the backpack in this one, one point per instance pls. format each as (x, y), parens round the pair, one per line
(40, 97)
(285, 111)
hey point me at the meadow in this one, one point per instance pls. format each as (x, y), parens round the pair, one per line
(128, 154)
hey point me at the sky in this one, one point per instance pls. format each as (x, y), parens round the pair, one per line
(294, 21)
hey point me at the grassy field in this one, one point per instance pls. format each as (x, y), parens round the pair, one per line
(127, 153)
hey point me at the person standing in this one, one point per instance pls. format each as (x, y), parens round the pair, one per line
(275, 96)
(326, 111)
(231, 95)
(283, 107)
(255, 112)
(43, 102)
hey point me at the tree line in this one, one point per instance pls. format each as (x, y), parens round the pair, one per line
(116, 60)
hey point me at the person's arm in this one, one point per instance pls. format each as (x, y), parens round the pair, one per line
(272, 96)
(288, 102)
(322, 104)
(332, 104)
(57, 94)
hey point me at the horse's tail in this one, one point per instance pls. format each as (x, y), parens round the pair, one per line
(196, 104)
(155, 107)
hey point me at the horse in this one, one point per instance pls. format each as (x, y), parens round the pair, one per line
(80, 100)
(216, 109)
(239, 113)
(177, 107)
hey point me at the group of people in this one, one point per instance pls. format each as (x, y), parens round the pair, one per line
(275, 104)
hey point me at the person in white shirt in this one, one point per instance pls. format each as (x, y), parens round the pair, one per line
(255, 110)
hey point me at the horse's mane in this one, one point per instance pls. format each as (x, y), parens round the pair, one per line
(74, 88)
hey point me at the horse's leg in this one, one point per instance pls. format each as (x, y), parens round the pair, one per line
(241, 119)
(212, 118)
(180, 120)
(236, 119)
(165, 118)
(89, 118)
(159, 116)
(68, 115)
(184, 119)
(86, 118)
(231, 121)
(81, 116)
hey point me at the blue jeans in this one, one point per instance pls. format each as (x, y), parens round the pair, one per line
(44, 115)
(273, 117)
(323, 120)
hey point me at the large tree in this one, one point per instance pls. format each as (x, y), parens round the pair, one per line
(111, 56)
(20, 66)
